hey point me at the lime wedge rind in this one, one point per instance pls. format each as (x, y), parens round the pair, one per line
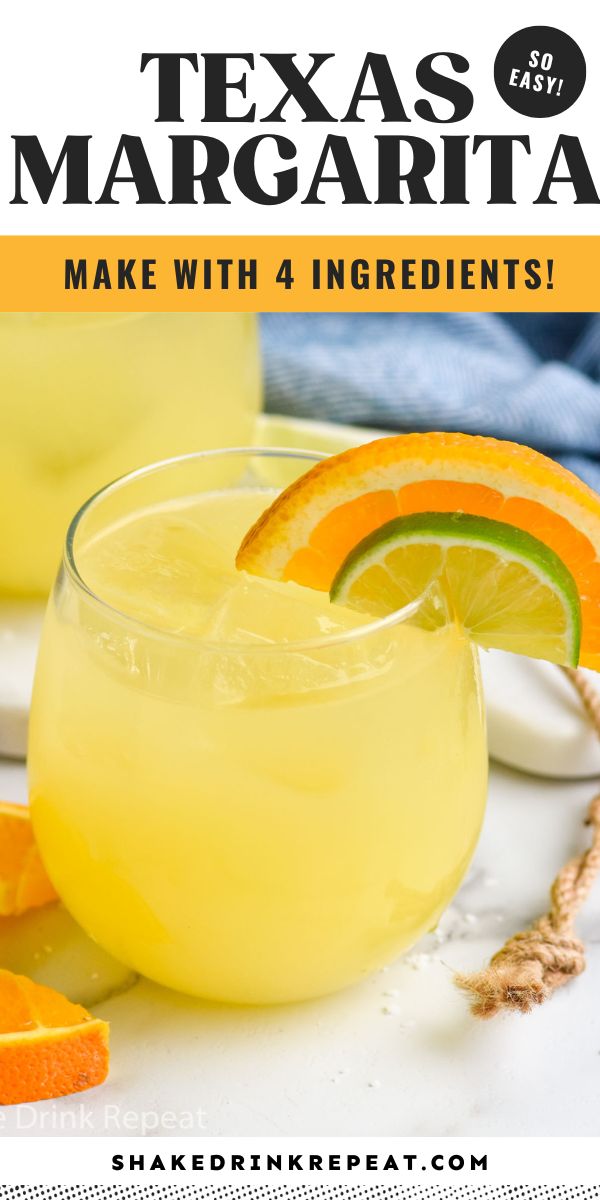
(506, 587)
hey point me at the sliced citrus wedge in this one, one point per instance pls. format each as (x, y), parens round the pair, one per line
(314, 524)
(505, 587)
(49, 1047)
(23, 880)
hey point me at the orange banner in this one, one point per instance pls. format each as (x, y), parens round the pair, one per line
(291, 274)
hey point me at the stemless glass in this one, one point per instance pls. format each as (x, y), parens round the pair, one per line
(87, 397)
(247, 820)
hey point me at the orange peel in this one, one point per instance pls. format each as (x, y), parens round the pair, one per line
(24, 883)
(310, 529)
(49, 1047)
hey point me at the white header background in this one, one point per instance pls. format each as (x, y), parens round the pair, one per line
(509, 1160)
(69, 67)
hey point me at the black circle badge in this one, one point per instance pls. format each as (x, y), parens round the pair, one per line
(540, 71)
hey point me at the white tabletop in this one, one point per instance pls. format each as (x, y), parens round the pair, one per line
(397, 1055)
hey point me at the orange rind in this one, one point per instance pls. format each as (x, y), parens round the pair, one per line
(49, 1047)
(310, 529)
(24, 883)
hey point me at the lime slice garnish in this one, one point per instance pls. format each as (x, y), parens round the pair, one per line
(506, 588)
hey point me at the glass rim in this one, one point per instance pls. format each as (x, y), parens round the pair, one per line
(198, 641)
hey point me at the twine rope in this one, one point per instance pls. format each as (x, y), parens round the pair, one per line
(535, 962)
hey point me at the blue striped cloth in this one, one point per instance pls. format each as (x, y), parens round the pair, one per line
(534, 378)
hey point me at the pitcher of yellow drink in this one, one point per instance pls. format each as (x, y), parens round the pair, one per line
(85, 398)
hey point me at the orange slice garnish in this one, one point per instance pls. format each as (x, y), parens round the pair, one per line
(23, 880)
(49, 1047)
(313, 525)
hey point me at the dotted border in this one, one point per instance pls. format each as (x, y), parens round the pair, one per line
(319, 1191)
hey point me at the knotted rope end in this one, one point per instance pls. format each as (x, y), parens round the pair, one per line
(526, 971)
(504, 988)
(537, 961)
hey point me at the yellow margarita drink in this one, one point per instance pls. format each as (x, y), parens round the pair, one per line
(239, 789)
(84, 398)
